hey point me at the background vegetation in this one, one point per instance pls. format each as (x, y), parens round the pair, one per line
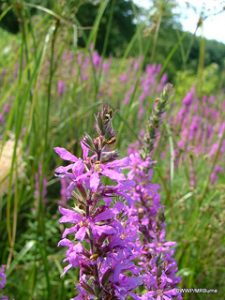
(59, 61)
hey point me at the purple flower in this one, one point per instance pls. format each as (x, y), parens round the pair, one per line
(150, 85)
(128, 95)
(61, 87)
(123, 78)
(98, 239)
(90, 172)
(188, 99)
(2, 119)
(156, 259)
(2, 277)
(2, 281)
(162, 294)
(96, 58)
(214, 175)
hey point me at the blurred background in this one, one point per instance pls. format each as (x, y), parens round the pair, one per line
(59, 61)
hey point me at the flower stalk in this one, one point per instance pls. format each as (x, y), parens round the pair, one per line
(154, 121)
(99, 241)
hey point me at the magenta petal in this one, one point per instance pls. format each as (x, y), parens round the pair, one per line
(70, 189)
(126, 184)
(78, 167)
(163, 279)
(172, 292)
(105, 215)
(69, 231)
(120, 267)
(61, 169)
(124, 162)
(66, 269)
(94, 181)
(65, 155)
(113, 174)
(169, 244)
(69, 216)
(65, 243)
(80, 235)
(84, 149)
(119, 207)
(83, 177)
(127, 197)
(78, 248)
(104, 229)
(149, 294)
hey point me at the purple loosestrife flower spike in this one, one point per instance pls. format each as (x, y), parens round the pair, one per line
(156, 255)
(99, 241)
(154, 120)
(158, 267)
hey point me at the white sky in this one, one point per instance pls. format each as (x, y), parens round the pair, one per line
(189, 11)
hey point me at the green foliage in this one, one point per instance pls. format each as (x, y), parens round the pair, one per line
(210, 83)
(119, 15)
(118, 25)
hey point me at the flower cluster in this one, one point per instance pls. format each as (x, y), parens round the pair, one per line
(100, 243)
(156, 259)
(198, 133)
(118, 233)
(158, 267)
(128, 81)
(150, 85)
